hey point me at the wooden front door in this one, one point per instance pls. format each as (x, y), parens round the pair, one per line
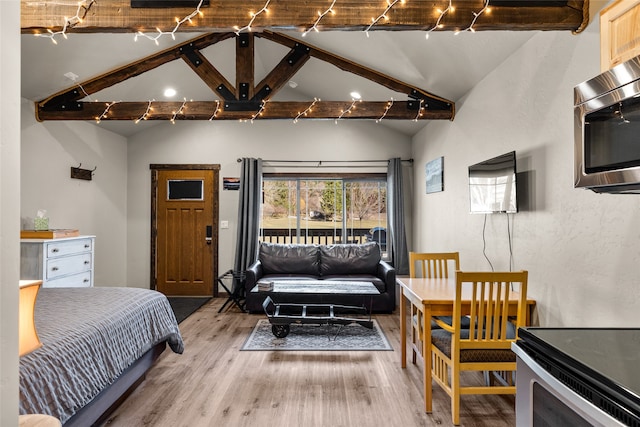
(184, 230)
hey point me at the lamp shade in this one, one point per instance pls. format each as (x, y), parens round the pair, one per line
(29, 340)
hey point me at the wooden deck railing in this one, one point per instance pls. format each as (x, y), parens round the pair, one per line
(321, 236)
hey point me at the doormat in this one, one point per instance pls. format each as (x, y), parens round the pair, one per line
(318, 338)
(184, 307)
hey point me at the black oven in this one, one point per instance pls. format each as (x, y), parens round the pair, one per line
(577, 377)
(607, 130)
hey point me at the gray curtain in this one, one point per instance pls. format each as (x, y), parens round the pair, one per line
(248, 214)
(396, 238)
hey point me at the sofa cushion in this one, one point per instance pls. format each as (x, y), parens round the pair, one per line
(349, 259)
(289, 259)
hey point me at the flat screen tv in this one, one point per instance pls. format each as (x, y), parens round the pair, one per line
(492, 185)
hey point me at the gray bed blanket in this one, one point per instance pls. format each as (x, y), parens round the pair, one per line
(89, 337)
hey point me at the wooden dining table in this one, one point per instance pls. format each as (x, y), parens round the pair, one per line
(436, 297)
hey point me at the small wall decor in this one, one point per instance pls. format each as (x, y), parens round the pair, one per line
(434, 173)
(231, 184)
(79, 173)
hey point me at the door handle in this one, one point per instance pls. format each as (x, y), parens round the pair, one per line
(209, 234)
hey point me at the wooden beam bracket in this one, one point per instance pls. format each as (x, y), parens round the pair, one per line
(226, 93)
(262, 94)
(242, 105)
(63, 106)
(243, 40)
(429, 102)
(154, 4)
(191, 53)
(299, 51)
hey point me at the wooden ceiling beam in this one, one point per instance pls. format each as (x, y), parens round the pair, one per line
(245, 65)
(246, 100)
(210, 75)
(204, 110)
(133, 69)
(284, 71)
(434, 101)
(116, 16)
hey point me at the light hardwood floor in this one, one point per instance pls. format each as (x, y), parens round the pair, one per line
(213, 383)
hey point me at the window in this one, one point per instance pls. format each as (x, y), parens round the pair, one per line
(183, 189)
(324, 210)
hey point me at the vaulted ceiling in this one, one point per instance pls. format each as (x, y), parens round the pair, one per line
(246, 59)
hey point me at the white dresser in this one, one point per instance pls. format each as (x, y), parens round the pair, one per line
(64, 262)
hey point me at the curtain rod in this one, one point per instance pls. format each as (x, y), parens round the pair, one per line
(320, 162)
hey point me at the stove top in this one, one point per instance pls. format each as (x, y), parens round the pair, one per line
(604, 360)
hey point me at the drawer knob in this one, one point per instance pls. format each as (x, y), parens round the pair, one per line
(54, 269)
(54, 250)
(87, 246)
(86, 262)
(85, 280)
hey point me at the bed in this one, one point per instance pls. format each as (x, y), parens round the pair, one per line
(97, 344)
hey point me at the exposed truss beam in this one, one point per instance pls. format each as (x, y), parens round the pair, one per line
(116, 16)
(204, 110)
(434, 101)
(245, 100)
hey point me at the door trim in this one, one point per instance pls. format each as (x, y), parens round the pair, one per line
(155, 168)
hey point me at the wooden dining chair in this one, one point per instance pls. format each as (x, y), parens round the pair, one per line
(428, 265)
(486, 344)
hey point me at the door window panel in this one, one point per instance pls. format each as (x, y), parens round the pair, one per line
(185, 189)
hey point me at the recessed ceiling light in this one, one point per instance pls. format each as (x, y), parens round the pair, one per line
(169, 92)
(355, 95)
(293, 84)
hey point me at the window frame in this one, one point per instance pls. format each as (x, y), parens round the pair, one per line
(343, 177)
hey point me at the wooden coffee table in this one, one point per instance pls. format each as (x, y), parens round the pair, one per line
(282, 314)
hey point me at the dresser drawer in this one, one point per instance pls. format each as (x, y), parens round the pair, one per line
(63, 266)
(68, 247)
(81, 280)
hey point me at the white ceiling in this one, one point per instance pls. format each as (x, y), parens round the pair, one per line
(446, 65)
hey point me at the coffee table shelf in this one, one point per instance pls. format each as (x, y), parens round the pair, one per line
(282, 314)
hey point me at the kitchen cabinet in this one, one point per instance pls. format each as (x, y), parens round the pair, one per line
(619, 33)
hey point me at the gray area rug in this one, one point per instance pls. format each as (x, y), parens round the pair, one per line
(314, 337)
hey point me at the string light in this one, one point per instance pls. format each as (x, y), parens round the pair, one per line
(69, 22)
(307, 110)
(216, 111)
(449, 8)
(420, 108)
(146, 113)
(320, 16)
(386, 109)
(259, 113)
(253, 18)
(83, 91)
(106, 111)
(476, 15)
(179, 22)
(348, 110)
(180, 111)
(384, 16)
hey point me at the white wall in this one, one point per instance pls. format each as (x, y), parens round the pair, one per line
(97, 207)
(582, 249)
(9, 208)
(224, 142)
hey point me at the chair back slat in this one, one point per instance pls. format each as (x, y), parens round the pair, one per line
(490, 296)
(433, 265)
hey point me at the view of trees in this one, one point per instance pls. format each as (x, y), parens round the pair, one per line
(333, 200)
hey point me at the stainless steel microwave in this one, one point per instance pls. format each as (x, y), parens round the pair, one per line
(607, 130)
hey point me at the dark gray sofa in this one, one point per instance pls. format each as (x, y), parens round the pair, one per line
(351, 262)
